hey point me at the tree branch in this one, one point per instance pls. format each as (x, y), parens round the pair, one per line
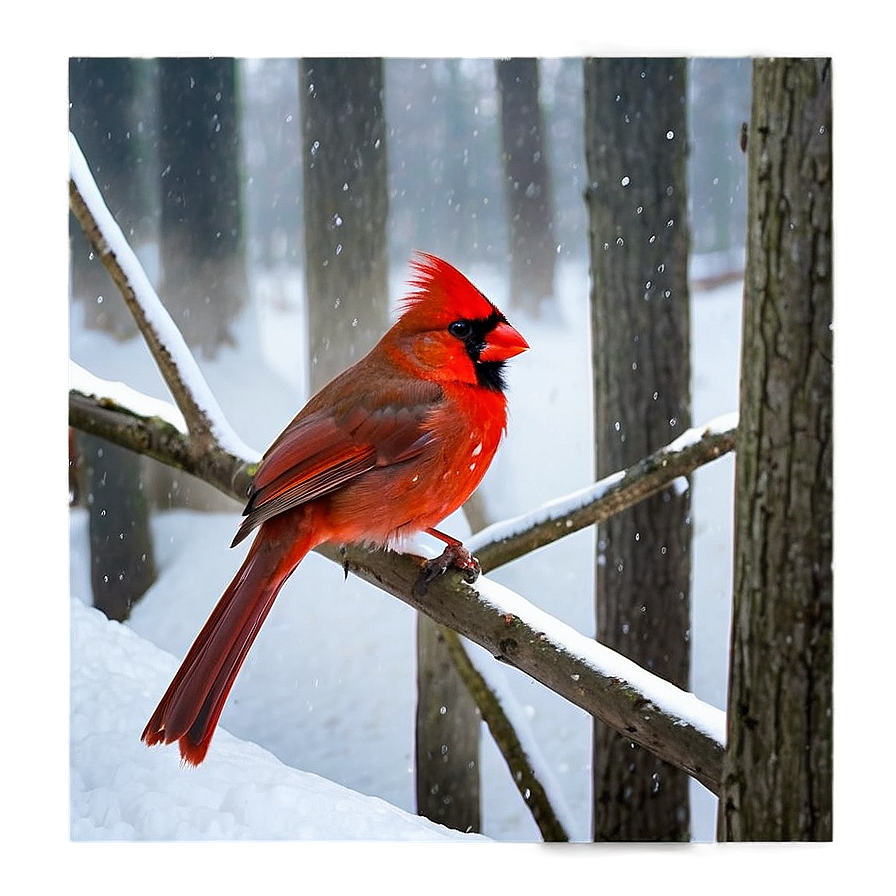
(653, 713)
(505, 541)
(206, 422)
(159, 439)
(505, 737)
(161, 436)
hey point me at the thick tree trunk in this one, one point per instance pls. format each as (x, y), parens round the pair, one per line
(636, 150)
(527, 184)
(202, 242)
(345, 211)
(778, 764)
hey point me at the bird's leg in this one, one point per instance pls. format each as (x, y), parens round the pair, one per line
(454, 556)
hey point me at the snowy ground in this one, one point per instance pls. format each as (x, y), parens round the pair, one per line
(340, 708)
(242, 792)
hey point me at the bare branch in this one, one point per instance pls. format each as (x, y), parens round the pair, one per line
(509, 539)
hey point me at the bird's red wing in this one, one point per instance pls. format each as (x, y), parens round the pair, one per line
(318, 453)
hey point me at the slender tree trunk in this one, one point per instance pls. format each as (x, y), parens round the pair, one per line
(346, 207)
(103, 117)
(122, 560)
(446, 736)
(204, 281)
(346, 278)
(778, 766)
(202, 242)
(527, 184)
(636, 144)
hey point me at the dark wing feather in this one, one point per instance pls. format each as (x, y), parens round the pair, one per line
(321, 451)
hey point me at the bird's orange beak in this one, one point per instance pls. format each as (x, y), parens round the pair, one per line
(503, 342)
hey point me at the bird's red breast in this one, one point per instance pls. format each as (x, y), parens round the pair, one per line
(401, 439)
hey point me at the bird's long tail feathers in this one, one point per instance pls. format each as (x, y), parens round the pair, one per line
(190, 709)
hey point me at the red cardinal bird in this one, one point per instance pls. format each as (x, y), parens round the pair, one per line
(390, 447)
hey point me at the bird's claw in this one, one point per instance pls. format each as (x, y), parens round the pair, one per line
(455, 556)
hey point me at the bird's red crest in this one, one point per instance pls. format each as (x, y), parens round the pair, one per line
(441, 289)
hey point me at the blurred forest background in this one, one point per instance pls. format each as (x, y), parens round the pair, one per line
(232, 141)
(313, 181)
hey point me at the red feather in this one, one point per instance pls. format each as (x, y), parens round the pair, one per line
(390, 447)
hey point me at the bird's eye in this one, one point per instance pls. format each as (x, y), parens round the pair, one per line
(460, 328)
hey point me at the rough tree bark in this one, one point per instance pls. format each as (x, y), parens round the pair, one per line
(527, 184)
(636, 146)
(778, 765)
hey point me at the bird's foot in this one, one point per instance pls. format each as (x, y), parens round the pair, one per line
(455, 556)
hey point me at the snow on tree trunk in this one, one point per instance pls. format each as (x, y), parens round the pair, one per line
(778, 764)
(636, 141)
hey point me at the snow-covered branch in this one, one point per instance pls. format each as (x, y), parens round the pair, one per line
(205, 420)
(655, 714)
(519, 764)
(129, 418)
(506, 540)
(672, 723)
